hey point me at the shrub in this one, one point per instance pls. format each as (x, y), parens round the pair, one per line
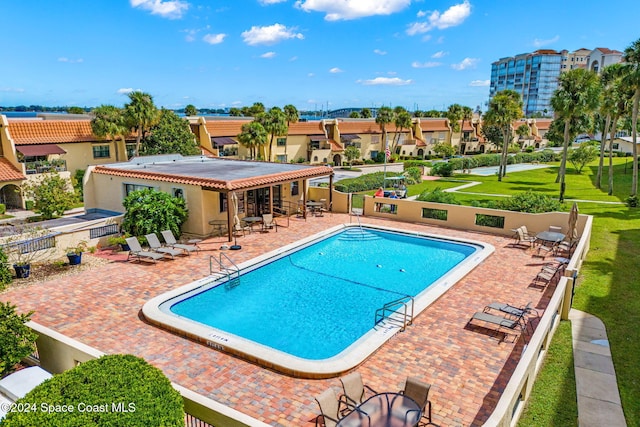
(29, 205)
(415, 163)
(365, 182)
(3, 208)
(413, 174)
(442, 169)
(438, 196)
(148, 211)
(632, 201)
(114, 390)
(530, 202)
(17, 340)
(77, 179)
(51, 195)
(5, 273)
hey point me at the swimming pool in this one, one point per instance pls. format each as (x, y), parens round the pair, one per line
(517, 167)
(309, 309)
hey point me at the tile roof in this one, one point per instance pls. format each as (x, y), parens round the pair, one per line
(358, 126)
(225, 127)
(8, 172)
(431, 125)
(216, 173)
(51, 131)
(306, 128)
(335, 146)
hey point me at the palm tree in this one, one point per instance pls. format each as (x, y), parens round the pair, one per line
(383, 118)
(293, 116)
(109, 122)
(454, 113)
(141, 114)
(253, 136)
(402, 120)
(632, 79)
(365, 113)
(274, 122)
(577, 96)
(504, 108)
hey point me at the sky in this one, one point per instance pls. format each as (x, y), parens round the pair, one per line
(314, 54)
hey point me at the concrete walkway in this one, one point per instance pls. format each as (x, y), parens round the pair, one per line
(597, 388)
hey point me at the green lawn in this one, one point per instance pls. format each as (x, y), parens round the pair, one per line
(608, 286)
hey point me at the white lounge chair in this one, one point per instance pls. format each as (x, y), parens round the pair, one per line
(135, 250)
(170, 240)
(156, 246)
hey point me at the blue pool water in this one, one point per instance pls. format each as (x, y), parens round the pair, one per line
(315, 302)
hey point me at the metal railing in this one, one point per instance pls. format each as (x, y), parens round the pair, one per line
(399, 312)
(230, 272)
(105, 230)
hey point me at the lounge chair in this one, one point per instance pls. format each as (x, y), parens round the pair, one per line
(418, 391)
(511, 309)
(268, 222)
(353, 392)
(505, 325)
(329, 406)
(549, 273)
(135, 250)
(156, 246)
(170, 240)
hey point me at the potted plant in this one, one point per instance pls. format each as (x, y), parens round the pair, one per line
(119, 240)
(74, 253)
(28, 244)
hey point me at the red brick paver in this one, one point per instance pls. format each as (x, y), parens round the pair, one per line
(467, 367)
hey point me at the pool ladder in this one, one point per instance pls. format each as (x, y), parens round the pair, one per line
(230, 271)
(398, 312)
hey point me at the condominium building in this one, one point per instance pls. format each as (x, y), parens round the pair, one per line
(535, 75)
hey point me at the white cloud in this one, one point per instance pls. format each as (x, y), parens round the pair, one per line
(269, 34)
(385, 81)
(11, 89)
(268, 55)
(335, 70)
(440, 54)
(451, 17)
(379, 52)
(214, 38)
(70, 61)
(466, 63)
(268, 2)
(167, 9)
(352, 9)
(480, 83)
(293, 59)
(125, 90)
(417, 64)
(541, 43)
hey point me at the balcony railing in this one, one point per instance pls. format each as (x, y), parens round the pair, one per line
(42, 166)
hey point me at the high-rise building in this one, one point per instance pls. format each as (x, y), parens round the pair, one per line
(535, 75)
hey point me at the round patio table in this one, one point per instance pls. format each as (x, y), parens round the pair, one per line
(252, 220)
(550, 236)
(384, 410)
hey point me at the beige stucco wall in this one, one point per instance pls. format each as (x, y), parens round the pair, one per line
(79, 155)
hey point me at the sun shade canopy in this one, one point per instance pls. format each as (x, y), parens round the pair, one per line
(40, 149)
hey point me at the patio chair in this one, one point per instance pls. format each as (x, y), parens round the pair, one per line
(504, 325)
(555, 229)
(546, 250)
(566, 248)
(268, 222)
(523, 236)
(135, 250)
(353, 392)
(549, 273)
(511, 309)
(156, 246)
(238, 228)
(171, 241)
(418, 391)
(329, 406)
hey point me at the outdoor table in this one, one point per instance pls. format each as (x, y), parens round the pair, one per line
(384, 410)
(315, 206)
(219, 225)
(550, 236)
(252, 220)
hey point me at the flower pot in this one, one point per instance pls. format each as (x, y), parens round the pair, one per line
(125, 247)
(22, 271)
(74, 259)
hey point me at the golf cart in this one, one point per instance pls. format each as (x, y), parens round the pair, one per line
(397, 184)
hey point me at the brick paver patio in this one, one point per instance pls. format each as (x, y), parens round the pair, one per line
(467, 367)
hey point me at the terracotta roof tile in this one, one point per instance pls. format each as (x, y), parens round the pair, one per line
(431, 125)
(225, 127)
(8, 172)
(50, 131)
(335, 146)
(358, 126)
(306, 128)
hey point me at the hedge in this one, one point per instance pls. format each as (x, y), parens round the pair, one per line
(114, 390)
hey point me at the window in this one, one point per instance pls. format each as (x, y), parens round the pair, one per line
(178, 192)
(295, 188)
(128, 188)
(281, 142)
(281, 158)
(101, 151)
(616, 146)
(224, 202)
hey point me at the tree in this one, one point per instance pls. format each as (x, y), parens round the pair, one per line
(235, 112)
(141, 115)
(522, 132)
(402, 120)
(444, 150)
(172, 135)
(504, 108)
(113, 390)
(454, 113)
(291, 113)
(75, 110)
(110, 123)
(149, 210)
(50, 194)
(17, 340)
(383, 118)
(631, 78)
(577, 96)
(354, 115)
(190, 110)
(366, 113)
(253, 136)
(582, 155)
(274, 122)
(5, 274)
(351, 153)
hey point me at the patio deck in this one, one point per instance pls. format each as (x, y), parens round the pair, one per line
(467, 367)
